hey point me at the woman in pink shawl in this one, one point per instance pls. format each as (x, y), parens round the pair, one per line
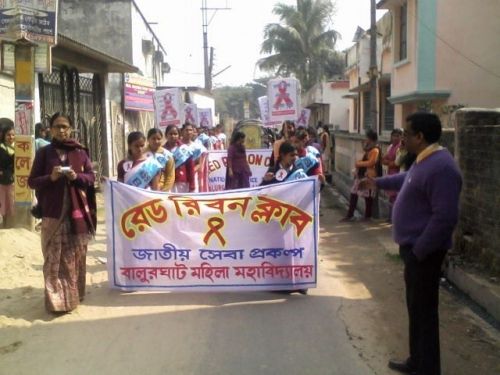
(389, 159)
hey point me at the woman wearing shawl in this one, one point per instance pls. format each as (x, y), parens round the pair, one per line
(309, 157)
(326, 147)
(7, 137)
(138, 169)
(369, 166)
(41, 132)
(199, 156)
(287, 133)
(389, 160)
(164, 157)
(285, 168)
(184, 164)
(63, 178)
(238, 171)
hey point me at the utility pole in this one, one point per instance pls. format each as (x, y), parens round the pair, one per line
(373, 68)
(24, 88)
(27, 33)
(208, 62)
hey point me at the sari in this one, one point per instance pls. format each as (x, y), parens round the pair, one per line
(68, 221)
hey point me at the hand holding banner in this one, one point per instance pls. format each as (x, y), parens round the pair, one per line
(260, 238)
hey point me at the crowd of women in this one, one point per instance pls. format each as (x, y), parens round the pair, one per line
(171, 161)
(371, 165)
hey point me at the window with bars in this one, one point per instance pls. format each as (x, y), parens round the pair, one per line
(388, 110)
(367, 121)
(403, 35)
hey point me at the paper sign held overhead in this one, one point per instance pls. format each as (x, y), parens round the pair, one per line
(168, 107)
(284, 99)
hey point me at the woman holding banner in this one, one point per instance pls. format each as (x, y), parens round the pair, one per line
(199, 155)
(138, 169)
(309, 157)
(238, 171)
(184, 164)
(285, 168)
(63, 177)
(287, 132)
(164, 157)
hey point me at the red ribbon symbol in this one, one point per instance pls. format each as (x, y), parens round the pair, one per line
(189, 115)
(204, 120)
(169, 108)
(215, 224)
(283, 96)
(302, 118)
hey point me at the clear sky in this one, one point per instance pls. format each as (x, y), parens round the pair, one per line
(235, 34)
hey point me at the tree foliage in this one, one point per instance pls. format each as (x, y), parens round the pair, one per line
(230, 100)
(302, 43)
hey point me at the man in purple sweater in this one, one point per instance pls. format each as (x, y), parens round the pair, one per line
(424, 216)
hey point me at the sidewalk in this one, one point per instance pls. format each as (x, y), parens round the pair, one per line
(364, 256)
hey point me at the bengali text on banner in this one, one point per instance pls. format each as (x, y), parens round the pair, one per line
(262, 238)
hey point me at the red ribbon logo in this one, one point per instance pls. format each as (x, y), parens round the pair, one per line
(215, 224)
(283, 95)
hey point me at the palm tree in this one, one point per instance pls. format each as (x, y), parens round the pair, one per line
(301, 44)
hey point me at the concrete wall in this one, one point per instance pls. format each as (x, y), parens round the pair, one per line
(478, 232)
(330, 94)
(103, 25)
(339, 107)
(471, 32)
(145, 62)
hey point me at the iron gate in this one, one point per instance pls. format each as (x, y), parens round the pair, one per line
(79, 96)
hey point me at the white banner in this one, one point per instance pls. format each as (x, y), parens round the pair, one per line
(258, 160)
(264, 113)
(205, 117)
(262, 238)
(303, 119)
(169, 108)
(191, 114)
(284, 99)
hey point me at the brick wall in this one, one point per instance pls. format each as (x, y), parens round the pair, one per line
(477, 237)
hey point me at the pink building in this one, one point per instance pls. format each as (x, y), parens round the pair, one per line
(445, 54)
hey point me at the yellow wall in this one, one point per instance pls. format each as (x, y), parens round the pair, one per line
(404, 77)
(472, 28)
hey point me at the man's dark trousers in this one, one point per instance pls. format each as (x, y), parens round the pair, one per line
(422, 299)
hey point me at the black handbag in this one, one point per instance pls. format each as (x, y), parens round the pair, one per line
(36, 211)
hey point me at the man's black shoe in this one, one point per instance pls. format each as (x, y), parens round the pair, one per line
(402, 366)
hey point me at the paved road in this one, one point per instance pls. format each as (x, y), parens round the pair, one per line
(193, 333)
(225, 333)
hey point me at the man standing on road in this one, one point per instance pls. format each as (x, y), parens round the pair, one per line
(424, 216)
